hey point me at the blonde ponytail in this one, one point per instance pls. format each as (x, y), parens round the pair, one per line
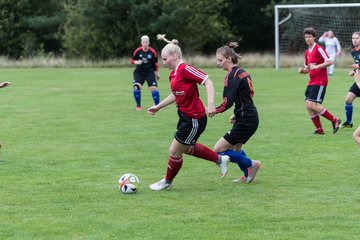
(161, 37)
(171, 47)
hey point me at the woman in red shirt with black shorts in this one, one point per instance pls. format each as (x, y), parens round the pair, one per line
(184, 79)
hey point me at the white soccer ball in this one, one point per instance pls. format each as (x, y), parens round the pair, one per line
(129, 183)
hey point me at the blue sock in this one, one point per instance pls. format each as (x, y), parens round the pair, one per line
(348, 111)
(156, 96)
(242, 152)
(137, 96)
(240, 159)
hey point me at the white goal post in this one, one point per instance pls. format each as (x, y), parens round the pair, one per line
(278, 22)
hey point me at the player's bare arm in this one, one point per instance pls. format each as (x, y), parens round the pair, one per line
(167, 101)
(303, 70)
(157, 75)
(322, 65)
(354, 65)
(232, 119)
(210, 92)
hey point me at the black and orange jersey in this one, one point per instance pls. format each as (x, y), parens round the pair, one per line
(238, 89)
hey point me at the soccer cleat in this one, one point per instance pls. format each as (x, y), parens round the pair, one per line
(336, 125)
(224, 165)
(346, 125)
(162, 184)
(239, 180)
(319, 131)
(138, 108)
(253, 171)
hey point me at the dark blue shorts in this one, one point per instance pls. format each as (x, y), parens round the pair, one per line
(141, 77)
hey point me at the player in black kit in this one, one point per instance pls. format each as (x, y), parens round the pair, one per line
(145, 59)
(354, 90)
(238, 90)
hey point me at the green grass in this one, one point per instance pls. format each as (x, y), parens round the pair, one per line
(69, 134)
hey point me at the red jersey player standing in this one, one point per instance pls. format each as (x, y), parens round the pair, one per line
(192, 116)
(316, 62)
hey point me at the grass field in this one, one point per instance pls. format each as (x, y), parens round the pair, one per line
(68, 134)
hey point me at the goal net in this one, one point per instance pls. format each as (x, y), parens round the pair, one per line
(343, 20)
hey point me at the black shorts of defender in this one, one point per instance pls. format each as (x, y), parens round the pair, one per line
(315, 93)
(140, 77)
(189, 129)
(355, 90)
(243, 129)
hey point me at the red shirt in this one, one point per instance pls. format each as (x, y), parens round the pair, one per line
(316, 55)
(183, 83)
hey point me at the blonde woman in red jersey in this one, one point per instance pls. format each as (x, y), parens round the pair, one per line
(192, 116)
(316, 62)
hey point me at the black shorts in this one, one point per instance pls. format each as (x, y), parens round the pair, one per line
(189, 129)
(140, 77)
(243, 129)
(315, 93)
(355, 90)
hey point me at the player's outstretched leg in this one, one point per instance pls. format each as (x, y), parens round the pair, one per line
(240, 159)
(174, 166)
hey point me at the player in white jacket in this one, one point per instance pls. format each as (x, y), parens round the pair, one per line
(332, 47)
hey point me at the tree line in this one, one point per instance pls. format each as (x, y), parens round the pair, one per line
(106, 29)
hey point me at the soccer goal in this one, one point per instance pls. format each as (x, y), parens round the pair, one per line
(290, 21)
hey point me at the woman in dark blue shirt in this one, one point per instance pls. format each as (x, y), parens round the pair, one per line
(145, 59)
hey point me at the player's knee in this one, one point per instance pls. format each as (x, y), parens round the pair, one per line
(177, 152)
(309, 105)
(136, 87)
(153, 89)
(189, 151)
